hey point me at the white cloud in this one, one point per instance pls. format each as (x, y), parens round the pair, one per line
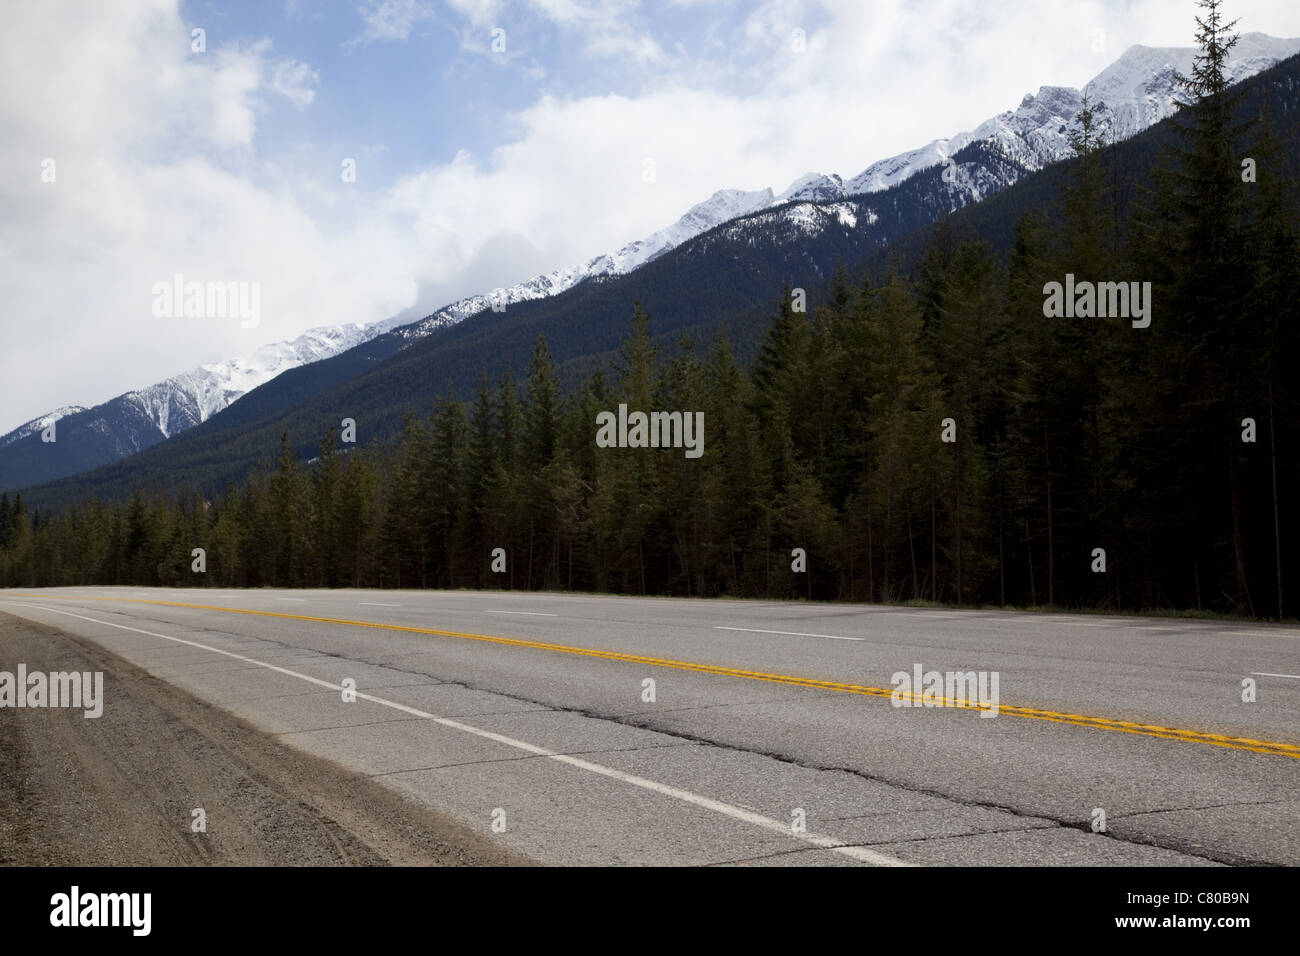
(622, 44)
(393, 19)
(155, 173)
(478, 12)
(296, 82)
(611, 29)
(614, 28)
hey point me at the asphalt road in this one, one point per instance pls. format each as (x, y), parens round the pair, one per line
(770, 737)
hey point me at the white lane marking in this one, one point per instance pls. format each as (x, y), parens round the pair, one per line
(1083, 624)
(534, 613)
(755, 630)
(300, 600)
(859, 853)
(1264, 674)
(378, 604)
(1277, 633)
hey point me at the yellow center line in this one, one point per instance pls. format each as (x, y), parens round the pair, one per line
(1079, 720)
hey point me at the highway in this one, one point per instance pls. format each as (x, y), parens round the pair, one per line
(768, 735)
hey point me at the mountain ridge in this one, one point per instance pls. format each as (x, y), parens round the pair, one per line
(730, 277)
(1132, 93)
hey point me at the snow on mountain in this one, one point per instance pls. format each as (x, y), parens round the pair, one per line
(1136, 91)
(813, 187)
(722, 206)
(802, 218)
(1140, 87)
(38, 424)
(185, 400)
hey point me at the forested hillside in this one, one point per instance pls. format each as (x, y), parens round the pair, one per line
(1175, 448)
(725, 277)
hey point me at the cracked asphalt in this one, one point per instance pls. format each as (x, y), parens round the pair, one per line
(767, 736)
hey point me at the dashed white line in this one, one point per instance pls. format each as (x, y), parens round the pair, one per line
(755, 630)
(1264, 674)
(533, 613)
(859, 853)
(378, 604)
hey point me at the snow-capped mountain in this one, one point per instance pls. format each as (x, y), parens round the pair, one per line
(813, 187)
(722, 206)
(37, 425)
(1141, 88)
(1136, 91)
(185, 400)
(140, 418)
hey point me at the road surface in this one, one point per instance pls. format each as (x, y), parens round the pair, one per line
(767, 735)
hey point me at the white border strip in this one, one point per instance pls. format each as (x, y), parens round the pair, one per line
(755, 630)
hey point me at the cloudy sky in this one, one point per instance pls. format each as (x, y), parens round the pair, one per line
(491, 141)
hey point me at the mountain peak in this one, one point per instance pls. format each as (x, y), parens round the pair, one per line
(39, 424)
(1141, 87)
(814, 187)
(722, 205)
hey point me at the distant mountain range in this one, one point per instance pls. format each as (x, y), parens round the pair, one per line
(1136, 91)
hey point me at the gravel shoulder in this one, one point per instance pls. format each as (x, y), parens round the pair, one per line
(121, 789)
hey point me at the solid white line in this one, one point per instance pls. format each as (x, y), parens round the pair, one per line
(755, 630)
(859, 853)
(377, 604)
(1263, 674)
(292, 599)
(534, 613)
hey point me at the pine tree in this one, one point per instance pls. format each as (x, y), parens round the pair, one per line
(444, 489)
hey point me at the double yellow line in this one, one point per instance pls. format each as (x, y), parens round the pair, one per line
(1079, 720)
